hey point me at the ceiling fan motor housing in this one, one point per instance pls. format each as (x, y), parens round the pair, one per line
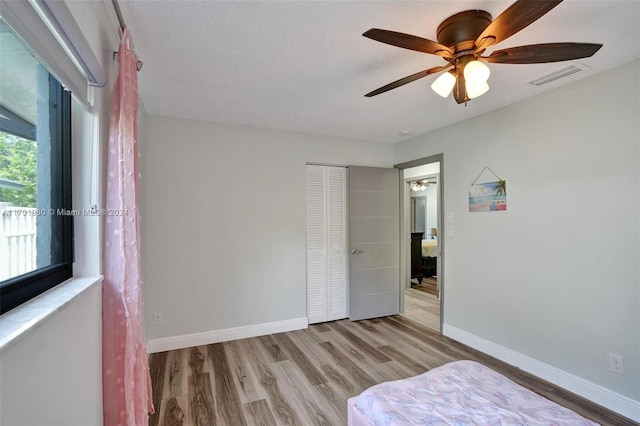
(460, 31)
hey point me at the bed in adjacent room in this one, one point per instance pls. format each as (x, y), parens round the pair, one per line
(457, 393)
(429, 248)
(429, 258)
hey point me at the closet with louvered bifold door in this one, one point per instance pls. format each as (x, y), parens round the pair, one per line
(326, 243)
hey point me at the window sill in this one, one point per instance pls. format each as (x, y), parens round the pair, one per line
(23, 320)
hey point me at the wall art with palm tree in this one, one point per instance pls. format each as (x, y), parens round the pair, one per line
(488, 196)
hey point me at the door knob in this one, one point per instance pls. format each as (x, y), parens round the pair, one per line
(355, 251)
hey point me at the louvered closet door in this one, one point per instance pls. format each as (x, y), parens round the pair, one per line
(316, 244)
(326, 243)
(337, 232)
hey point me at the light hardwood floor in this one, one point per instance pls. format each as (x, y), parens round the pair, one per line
(305, 377)
(422, 305)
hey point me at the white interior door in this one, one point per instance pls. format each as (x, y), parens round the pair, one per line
(374, 242)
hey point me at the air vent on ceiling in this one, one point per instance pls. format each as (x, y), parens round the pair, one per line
(556, 75)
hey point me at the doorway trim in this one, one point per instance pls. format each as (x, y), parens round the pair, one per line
(404, 240)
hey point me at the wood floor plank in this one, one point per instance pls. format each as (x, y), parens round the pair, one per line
(229, 408)
(201, 402)
(408, 352)
(259, 413)
(427, 356)
(373, 338)
(273, 348)
(422, 307)
(348, 348)
(413, 331)
(323, 360)
(336, 397)
(409, 362)
(351, 347)
(157, 370)
(178, 371)
(360, 379)
(379, 372)
(312, 410)
(173, 413)
(175, 402)
(296, 355)
(317, 336)
(272, 385)
(323, 326)
(369, 326)
(382, 372)
(248, 385)
(281, 409)
(363, 346)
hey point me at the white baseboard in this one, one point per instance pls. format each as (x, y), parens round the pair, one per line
(216, 336)
(591, 391)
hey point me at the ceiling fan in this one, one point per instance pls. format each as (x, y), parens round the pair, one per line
(464, 37)
(421, 185)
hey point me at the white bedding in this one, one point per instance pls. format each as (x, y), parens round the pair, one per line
(429, 248)
(458, 393)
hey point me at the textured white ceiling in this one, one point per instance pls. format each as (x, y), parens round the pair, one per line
(305, 66)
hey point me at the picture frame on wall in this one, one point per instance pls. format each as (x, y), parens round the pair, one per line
(488, 196)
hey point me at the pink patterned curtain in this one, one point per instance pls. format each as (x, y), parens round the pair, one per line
(125, 368)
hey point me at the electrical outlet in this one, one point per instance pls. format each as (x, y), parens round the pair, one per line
(157, 318)
(616, 363)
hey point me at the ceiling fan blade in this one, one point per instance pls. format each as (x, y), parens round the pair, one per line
(542, 53)
(516, 17)
(408, 41)
(405, 80)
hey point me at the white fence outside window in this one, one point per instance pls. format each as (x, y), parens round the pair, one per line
(17, 241)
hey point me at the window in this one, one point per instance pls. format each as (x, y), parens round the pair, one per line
(36, 235)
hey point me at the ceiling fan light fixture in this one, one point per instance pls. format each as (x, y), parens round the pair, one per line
(418, 186)
(475, 90)
(443, 85)
(475, 72)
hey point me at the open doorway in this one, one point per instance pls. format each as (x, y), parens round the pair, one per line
(421, 255)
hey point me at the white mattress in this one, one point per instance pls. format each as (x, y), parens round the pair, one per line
(429, 248)
(458, 393)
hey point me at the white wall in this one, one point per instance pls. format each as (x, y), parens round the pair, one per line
(53, 376)
(556, 276)
(214, 256)
(432, 208)
(421, 171)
